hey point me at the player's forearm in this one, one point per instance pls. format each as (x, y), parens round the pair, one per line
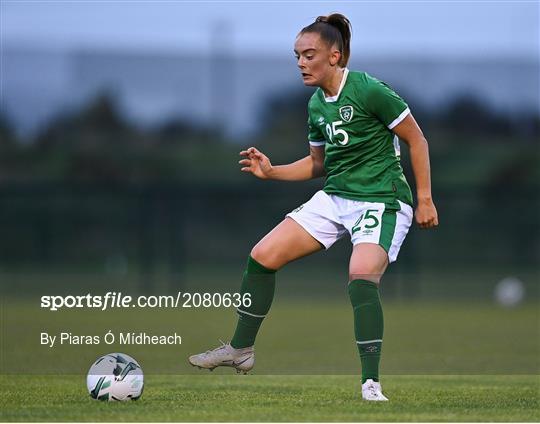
(419, 153)
(301, 170)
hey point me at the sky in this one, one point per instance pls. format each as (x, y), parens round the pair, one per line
(435, 28)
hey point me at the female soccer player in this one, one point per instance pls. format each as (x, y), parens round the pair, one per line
(354, 122)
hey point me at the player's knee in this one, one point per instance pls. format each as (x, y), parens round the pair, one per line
(266, 256)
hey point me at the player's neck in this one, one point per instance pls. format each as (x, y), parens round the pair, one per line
(331, 86)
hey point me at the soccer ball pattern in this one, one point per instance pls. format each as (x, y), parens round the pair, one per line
(115, 377)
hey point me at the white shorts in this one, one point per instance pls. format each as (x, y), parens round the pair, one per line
(328, 217)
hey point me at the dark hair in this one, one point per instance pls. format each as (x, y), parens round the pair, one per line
(334, 29)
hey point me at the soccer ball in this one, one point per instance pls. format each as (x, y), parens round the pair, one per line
(115, 376)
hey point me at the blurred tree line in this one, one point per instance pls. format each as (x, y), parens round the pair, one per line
(96, 143)
(93, 189)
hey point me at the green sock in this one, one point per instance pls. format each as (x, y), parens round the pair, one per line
(260, 282)
(368, 325)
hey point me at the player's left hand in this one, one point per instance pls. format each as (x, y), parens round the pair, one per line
(426, 214)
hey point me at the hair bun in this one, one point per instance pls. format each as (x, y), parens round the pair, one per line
(336, 31)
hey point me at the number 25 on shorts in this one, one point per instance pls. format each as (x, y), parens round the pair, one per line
(366, 220)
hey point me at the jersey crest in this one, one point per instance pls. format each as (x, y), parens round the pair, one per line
(346, 113)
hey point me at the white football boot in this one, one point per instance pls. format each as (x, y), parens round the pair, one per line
(225, 356)
(371, 390)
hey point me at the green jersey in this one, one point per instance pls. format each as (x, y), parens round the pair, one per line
(361, 151)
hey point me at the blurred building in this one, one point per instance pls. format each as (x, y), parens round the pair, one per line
(228, 92)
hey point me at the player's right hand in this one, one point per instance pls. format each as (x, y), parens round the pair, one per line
(255, 162)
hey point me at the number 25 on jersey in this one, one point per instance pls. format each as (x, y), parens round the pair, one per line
(337, 135)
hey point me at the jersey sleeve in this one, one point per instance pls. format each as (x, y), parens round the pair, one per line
(386, 105)
(315, 136)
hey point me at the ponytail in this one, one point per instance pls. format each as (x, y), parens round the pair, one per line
(334, 29)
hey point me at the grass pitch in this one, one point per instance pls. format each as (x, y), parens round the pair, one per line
(209, 397)
(311, 336)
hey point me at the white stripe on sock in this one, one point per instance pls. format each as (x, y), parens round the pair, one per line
(247, 313)
(370, 341)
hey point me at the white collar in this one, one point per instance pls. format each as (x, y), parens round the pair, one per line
(341, 85)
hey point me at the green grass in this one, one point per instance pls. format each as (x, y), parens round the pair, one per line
(299, 337)
(444, 361)
(211, 397)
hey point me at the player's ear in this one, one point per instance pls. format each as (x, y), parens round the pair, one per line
(335, 56)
